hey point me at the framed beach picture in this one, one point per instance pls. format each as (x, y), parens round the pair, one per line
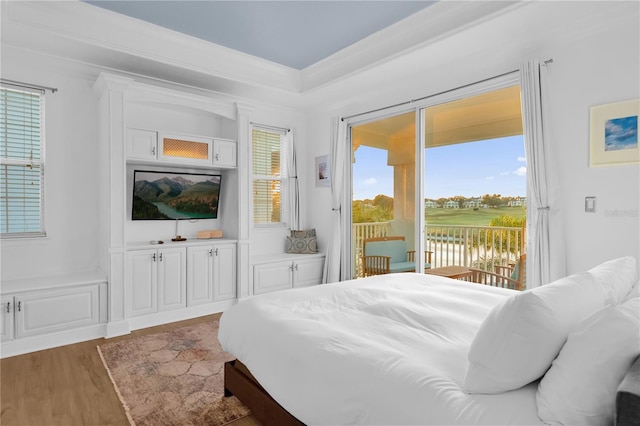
(322, 171)
(614, 134)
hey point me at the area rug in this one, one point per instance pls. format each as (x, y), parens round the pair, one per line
(172, 378)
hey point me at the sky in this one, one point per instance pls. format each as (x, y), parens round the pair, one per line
(495, 166)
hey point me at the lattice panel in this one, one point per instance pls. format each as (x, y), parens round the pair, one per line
(185, 149)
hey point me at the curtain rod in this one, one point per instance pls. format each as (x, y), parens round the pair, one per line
(28, 85)
(548, 61)
(281, 129)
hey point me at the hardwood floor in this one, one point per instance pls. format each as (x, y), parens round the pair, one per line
(69, 386)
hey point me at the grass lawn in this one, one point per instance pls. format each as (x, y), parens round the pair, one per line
(480, 217)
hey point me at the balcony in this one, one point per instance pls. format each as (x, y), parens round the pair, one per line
(481, 247)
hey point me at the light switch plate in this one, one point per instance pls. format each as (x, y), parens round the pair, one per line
(590, 204)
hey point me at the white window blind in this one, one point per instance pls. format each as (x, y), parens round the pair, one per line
(21, 162)
(269, 173)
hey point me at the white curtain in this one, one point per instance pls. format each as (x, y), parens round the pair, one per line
(335, 249)
(293, 190)
(542, 250)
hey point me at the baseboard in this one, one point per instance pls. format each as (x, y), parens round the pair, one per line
(174, 315)
(52, 340)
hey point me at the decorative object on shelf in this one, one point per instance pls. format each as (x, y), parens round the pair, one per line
(614, 134)
(301, 242)
(322, 171)
(213, 233)
(178, 237)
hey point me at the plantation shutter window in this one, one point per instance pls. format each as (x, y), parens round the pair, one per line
(268, 158)
(21, 162)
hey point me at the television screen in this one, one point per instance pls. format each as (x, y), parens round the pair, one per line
(169, 195)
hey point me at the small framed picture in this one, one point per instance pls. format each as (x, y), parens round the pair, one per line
(614, 134)
(323, 178)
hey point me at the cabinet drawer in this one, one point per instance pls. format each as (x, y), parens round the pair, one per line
(57, 310)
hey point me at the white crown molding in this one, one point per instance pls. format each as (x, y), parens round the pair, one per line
(76, 29)
(427, 26)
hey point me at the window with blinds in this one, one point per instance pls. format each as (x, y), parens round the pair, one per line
(21, 162)
(269, 170)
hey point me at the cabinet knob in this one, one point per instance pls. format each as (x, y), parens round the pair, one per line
(160, 257)
(216, 157)
(153, 150)
(296, 266)
(210, 253)
(8, 307)
(216, 252)
(19, 306)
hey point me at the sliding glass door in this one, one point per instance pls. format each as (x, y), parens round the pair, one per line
(455, 189)
(384, 186)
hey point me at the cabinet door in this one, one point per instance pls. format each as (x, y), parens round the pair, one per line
(141, 283)
(172, 282)
(141, 144)
(224, 272)
(199, 275)
(185, 149)
(308, 272)
(272, 276)
(6, 319)
(56, 310)
(224, 153)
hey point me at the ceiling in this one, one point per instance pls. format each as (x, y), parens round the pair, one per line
(296, 34)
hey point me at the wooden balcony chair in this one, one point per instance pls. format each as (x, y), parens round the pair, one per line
(512, 276)
(386, 255)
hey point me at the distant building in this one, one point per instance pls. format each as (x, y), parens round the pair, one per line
(430, 204)
(450, 204)
(472, 204)
(518, 202)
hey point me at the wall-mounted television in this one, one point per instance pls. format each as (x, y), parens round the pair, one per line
(161, 195)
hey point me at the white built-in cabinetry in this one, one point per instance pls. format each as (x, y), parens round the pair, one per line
(148, 127)
(286, 271)
(156, 280)
(177, 148)
(38, 313)
(211, 273)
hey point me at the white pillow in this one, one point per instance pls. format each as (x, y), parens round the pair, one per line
(616, 277)
(521, 336)
(580, 387)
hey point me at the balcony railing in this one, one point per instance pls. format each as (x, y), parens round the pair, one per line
(479, 247)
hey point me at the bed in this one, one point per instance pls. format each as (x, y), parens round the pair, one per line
(408, 348)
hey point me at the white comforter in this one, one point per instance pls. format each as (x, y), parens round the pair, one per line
(389, 349)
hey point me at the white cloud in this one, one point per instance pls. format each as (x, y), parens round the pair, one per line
(522, 159)
(370, 181)
(489, 178)
(521, 171)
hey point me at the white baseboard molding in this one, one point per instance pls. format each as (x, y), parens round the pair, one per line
(52, 340)
(117, 328)
(190, 312)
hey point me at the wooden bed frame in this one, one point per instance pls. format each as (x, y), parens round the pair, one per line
(240, 382)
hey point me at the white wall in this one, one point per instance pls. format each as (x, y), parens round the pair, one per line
(71, 185)
(595, 51)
